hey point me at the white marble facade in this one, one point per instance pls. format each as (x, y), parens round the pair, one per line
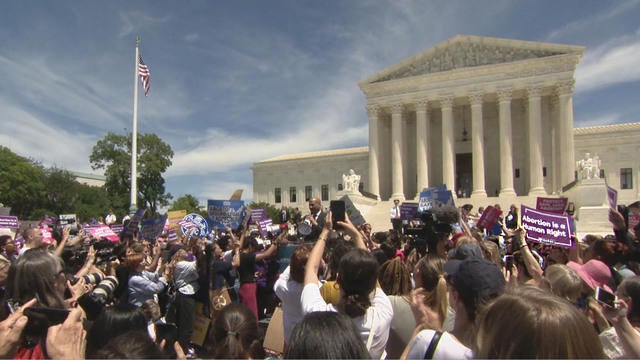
(491, 118)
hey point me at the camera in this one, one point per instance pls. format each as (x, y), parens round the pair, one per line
(88, 279)
(93, 302)
(436, 223)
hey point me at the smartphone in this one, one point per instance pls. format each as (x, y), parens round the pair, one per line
(41, 318)
(337, 209)
(508, 261)
(605, 297)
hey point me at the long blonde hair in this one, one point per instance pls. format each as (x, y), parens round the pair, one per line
(429, 275)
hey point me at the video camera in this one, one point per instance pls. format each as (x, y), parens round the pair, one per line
(277, 229)
(437, 222)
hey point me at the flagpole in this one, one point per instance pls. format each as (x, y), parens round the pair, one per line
(134, 135)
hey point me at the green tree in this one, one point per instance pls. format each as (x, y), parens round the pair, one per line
(113, 154)
(189, 203)
(21, 186)
(61, 191)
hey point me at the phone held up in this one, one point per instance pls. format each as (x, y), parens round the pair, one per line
(605, 297)
(337, 209)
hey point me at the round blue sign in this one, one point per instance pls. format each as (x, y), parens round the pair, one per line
(200, 229)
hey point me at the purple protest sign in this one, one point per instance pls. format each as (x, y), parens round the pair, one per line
(10, 222)
(117, 228)
(612, 196)
(409, 211)
(263, 226)
(258, 215)
(552, 205)
(546, 228)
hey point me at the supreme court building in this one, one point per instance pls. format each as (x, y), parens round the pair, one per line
(491, 118)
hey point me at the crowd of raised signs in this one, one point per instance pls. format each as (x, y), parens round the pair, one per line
(453, 282)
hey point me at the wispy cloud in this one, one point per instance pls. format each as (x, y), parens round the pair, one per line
(133, 20)
(613, 62)
(594, 21)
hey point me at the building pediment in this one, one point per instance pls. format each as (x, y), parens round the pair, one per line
(468, 51)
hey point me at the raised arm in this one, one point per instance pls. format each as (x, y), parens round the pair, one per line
(529, 260)
(315, 257)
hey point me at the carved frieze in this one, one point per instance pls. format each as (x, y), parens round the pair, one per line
(465, 55)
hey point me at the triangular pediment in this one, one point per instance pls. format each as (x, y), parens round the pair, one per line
(468, 51)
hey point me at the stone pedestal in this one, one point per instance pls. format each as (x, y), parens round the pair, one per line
(590, 199)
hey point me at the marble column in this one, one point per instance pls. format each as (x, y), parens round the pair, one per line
(477, 143)
(374, 175)
(422, 145)
(448, 143)
(506, 155)
(565, 110)
(536, 180)
(396, 153)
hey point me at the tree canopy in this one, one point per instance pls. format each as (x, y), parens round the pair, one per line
(113, 154)
(33, 191)
(189, 203)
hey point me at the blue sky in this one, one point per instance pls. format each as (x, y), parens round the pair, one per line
(235, 82)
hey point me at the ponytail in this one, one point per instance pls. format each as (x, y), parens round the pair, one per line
(355, 305)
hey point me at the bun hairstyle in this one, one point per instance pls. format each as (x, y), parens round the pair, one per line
(357, 277)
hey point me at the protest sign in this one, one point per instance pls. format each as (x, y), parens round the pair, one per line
(49, 219)
(354, 214)
(175, 216)
(435, 197)
(258, 215)
(7, 221)
(612, 196)
(489, 217)
(117, 228)
(132, 227)
(102, 231)
(201, 229)
(172, 235)
(69, 220)
(546, 228)
(263, 225)
(409, 211)
(552, 205)
(47, 238)
(225, 213)
(152, 228)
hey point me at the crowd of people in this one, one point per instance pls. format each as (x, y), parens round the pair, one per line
(446, 289)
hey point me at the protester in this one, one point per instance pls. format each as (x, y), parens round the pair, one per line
(370, 310)
(340, 338)
(529, 323)
(235, 334)
(289, 287)
(395, 280)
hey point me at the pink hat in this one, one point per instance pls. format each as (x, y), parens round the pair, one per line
(593, 272)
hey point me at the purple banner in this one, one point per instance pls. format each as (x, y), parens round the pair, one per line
(612, 195)
(10, 222)
(263, 226)
(546, 228)
(552, 205)
(258, 215)
(117, 228)
(409, 211)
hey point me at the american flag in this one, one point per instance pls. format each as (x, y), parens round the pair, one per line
(145, 76)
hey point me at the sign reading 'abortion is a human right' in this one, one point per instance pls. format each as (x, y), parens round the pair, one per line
(546, 228)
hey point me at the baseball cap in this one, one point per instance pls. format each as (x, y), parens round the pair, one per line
(478, 277)
(458, 254)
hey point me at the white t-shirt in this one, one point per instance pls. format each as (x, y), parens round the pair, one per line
(378, 316)
(289, 291)
(448, 347)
